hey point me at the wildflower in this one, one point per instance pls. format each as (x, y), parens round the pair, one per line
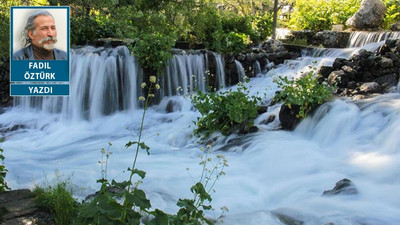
(143, 85)
(151, 95)
(157, 86)
(208, 146)
(141, 98)
(153, 79)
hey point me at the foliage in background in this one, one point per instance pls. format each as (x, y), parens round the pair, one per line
(320, 15)
(3, 171)
(305, 92)
(225, 111)
(153, 49)
(221, 25)
(392, 13)
(57, 198)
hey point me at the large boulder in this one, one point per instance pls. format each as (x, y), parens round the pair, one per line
(369, 16)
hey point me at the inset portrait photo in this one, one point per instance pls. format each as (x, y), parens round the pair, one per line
(40, 33)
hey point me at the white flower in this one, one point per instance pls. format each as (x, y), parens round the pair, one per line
(143, 85)
(141, 98)
(153, 79)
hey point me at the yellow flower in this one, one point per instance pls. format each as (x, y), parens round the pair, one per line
(151, 95)
(143, 85)
(153, 79)
(141, 98)
(157, 86)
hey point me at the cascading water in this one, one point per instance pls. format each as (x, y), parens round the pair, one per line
(240, 71)
(361, 38)
(184, 74)
(270, 171)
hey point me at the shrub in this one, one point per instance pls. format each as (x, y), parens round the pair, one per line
(3, 171)
(305, 92)
(321, 15)
(58, 200)
(262, 25)
(153, 49)
(392, 14)
(225, 111)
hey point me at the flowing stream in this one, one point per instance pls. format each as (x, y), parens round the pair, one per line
(271, 171)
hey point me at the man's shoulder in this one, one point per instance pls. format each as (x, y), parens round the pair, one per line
(60, 54)
(23, 54)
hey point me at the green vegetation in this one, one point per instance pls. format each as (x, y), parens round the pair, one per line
(392, 13)
(58, 200)
(305, 92)
(153, 26)
(225, 111)
(3, 171)
(321, 15)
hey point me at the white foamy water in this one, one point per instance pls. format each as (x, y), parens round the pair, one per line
(270, 171)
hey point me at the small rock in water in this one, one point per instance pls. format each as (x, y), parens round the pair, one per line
(173, 106)
(344, 187)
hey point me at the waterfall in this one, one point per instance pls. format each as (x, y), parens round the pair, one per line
(184, 74)
(220, 70)
(240, 71)
(107, 80)
(361, 38)
(257, 68)
(98, 76)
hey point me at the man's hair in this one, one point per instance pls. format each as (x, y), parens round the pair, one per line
(30, 25)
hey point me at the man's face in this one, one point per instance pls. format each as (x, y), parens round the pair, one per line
(44, 34)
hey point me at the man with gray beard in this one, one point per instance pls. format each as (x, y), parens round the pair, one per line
(40, 36)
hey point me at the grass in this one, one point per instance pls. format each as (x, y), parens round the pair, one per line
(58, 200)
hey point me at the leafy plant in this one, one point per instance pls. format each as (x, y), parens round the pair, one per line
(58, 200)
(192, 210)
(392, 13)
(123, 206)
(153, 49)
(321, 15)
(225, 111)
(3, 171)
(305, 92)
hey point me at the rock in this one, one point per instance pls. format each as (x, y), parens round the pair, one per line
(370, 87)
(350, 72)
(338, 78)
(395, 27)
(273, 45)
(343, 187)
(19, 207)
(385, 62)
(287, 217)
(270, 119)
(288, 117)
(332, 39)
(173, 106)
(384, 49)
(262, 109)
(391, 42)
(387, 81)
(338, 63)
(325, 71)
(364, 53)
(369, 16)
